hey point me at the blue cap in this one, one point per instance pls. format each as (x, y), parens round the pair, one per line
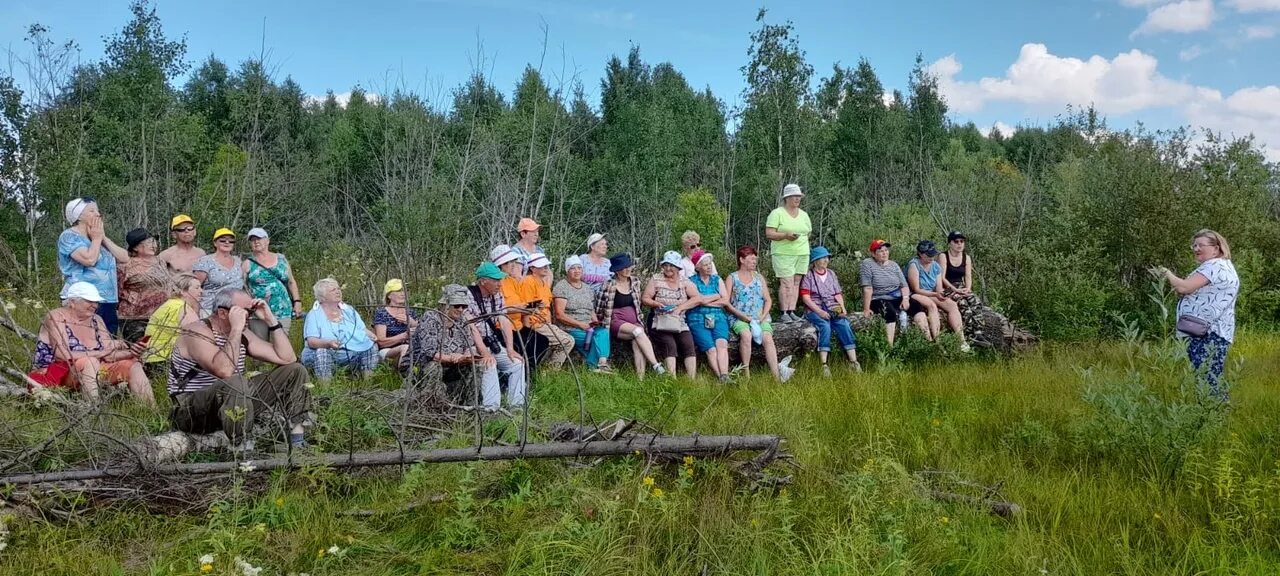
(818, 253)
(619, 262)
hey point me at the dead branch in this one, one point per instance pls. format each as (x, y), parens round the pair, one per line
(1000, 508)
(639, 444)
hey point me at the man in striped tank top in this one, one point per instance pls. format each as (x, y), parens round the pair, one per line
(206, 374)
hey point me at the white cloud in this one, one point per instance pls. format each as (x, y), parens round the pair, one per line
(1182, 17)
(1143, 3)
(1128, 83)
(1121, 85)
(1190, 53)
(1005, 129)
(1255, 5)
(1259, 32)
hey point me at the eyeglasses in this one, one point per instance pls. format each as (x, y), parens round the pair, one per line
(185, 229)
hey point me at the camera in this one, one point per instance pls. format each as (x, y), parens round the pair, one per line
(492, 343)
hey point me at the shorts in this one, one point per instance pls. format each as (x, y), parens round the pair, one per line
(673, 344)
(705, 338)
(61, 374)
(915, 307)
(887, 309)
(739, 326)
(789, 265)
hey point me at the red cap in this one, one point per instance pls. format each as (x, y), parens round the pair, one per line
(878, 244)
(697, 255)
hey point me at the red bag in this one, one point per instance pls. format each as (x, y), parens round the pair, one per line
(52, 375)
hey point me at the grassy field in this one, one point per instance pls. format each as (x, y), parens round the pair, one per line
(1118, 466)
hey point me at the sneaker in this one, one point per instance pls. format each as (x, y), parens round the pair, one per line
(856, 366)
(826, 371)
(659, 369)
(724, 379)
(793, 317)
(602, 369)
(966, 348)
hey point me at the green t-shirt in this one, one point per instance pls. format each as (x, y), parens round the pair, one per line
(783, 222)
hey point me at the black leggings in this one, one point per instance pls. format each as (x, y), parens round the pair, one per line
(673, 344)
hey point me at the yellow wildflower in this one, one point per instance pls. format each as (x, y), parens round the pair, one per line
(936, 422)
(1156, 516)
(688, 472)
(320, 553)
(648, 480)
(206, 568)
(755, 522)
(657, 492)
(688, 460)
(279, 502)
(944, 520)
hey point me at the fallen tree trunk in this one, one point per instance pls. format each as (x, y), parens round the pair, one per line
(172, 446)
(645, 444)
(998, 507)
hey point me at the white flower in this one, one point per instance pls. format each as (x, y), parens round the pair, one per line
(334, 549)
(10, 306)
(3, 545)
(206, 559)
(308, 385)
(246, 568)
(247, 467)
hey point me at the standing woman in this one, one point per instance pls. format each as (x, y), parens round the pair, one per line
(670, 295)
(750, 302)
(595, 265)
(1207, 310)
(268, 277)
(788, 228)
(85, 254)
(145, 283)
(708, 322)
(618, 305)
(393, 323)
(220, 270)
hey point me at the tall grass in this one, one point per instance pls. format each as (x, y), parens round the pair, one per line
(1119, 467)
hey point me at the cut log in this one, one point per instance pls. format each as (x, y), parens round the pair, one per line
(644, 444)
(173, 446)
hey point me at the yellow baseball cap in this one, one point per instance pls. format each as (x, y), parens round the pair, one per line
(393, 285)
(180, 220)
(223, 232)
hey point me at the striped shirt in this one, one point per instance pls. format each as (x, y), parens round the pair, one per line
(197, 378)
(884, 279)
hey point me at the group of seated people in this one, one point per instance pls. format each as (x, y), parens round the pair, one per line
(514, 319)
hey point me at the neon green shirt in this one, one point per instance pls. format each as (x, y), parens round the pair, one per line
(783, 222)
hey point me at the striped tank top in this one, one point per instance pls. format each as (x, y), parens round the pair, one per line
(181, 367)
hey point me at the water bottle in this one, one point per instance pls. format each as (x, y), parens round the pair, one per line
(902, 320)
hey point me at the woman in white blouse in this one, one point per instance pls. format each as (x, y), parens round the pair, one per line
(1207, 309)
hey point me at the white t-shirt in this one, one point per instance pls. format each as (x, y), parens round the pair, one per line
(1215, 302)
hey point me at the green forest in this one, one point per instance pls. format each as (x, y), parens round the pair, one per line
(1064, 219)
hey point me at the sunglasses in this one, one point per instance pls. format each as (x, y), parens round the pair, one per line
(185, 229)
(695, 246)
(226, 240)
(461, 306)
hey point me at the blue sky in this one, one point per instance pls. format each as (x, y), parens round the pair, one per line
(1160, 62)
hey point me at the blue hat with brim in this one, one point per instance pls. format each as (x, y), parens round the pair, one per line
(619, 262)
(818, 253)
(491, 271)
